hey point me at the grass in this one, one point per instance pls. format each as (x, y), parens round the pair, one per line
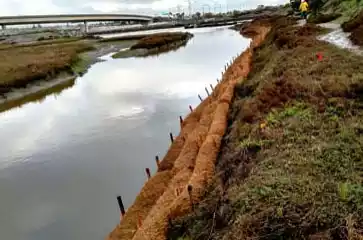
(291, 166)
(150, 52)
(22, 65)
(355, 26)
(161, 39)
(155, 44)
(348, 8)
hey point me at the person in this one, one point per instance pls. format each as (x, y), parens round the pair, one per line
(304, 6)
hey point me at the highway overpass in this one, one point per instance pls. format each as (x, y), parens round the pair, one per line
(85, 18)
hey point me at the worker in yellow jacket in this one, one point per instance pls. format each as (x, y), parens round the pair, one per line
(304, 7)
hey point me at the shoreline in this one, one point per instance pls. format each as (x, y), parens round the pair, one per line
(188, 162)
(18, 96)
(289, 162)
(35, 92)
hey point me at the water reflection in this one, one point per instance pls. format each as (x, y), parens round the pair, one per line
(64, 160)
(38, 96)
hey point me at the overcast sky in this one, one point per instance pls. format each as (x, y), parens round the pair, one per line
(28, 7)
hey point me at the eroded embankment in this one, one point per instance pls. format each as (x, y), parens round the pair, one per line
(190, 160)
(291, 163)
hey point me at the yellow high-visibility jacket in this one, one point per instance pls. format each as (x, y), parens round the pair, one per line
(304, 6)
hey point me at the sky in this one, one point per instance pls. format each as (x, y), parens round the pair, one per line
(32, 7)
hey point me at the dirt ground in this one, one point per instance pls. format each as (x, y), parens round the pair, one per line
(291, 163)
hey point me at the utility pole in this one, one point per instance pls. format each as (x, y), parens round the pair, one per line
(190, 7)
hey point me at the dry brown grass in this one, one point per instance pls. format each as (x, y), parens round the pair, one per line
(21, 65)
(161, 39)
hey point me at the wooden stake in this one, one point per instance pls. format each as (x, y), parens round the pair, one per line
(200, 98)
(157, 160)
(206, 89)
(121, 206)
(148, 173)
(171, 137)
(211, 87)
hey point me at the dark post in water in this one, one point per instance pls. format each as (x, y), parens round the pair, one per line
(148, 173)
(171, 138)
(200, 98)
(157, 161)
(121, 205)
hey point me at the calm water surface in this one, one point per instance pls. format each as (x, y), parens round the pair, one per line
(64, 160)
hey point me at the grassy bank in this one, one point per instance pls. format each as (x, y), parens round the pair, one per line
(291, 164)
(22, 65)
(347, 8)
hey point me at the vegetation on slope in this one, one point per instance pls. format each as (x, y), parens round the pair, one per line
(348, 8)
(291, 165)
(355, 26)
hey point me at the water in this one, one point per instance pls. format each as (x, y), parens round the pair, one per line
(339, 38)
(64, 160)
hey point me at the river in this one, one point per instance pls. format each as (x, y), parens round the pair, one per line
(64, 159)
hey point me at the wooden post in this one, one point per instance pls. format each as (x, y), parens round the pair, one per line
(171, 137)
(211, 87)
(157, 160)
(190, 189)
(121, 205)
(190, 108)
(206, 89)
(148, 173)
(181, 120)
(200, 98)
(225, 67)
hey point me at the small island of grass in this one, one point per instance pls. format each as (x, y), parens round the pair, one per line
(155, 44)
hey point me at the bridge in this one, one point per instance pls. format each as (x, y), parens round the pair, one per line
(85, 18)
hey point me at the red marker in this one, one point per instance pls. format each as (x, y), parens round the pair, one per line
(319, 56)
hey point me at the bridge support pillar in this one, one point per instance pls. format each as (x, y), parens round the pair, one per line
(85, 27)
(3, 26)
